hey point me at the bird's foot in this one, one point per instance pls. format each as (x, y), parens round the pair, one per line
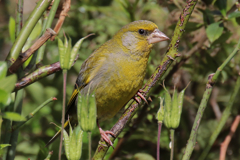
(141, 96)
(104, 135)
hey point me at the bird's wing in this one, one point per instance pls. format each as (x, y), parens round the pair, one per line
(89, 70)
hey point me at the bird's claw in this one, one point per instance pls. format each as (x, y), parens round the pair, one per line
(104, 135)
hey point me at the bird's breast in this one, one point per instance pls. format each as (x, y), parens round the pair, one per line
(120, 81)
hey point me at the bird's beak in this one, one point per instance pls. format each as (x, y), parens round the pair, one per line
(156, 36)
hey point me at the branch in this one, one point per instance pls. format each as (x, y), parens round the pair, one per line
(39, 74)
(227, 140)
(166, 62)
(66, 7)
(212, 79)
(24, 56)
(31, 115)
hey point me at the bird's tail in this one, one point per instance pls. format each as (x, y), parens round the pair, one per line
(57, 134)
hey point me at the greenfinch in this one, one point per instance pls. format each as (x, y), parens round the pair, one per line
(116, 70)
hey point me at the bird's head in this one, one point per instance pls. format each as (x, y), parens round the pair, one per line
(138, 37)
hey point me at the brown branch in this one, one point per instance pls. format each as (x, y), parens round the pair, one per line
(37, 75)
(227, 140)
(40, 73)
(25, 55)
(128, 134)
(65, 8)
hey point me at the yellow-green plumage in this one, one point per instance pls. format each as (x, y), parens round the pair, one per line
(116, 70)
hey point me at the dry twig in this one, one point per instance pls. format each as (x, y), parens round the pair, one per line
(65, 8)
(227, 140)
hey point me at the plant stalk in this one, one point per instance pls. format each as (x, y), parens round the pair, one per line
(89, 145)
(158, 142)
(14, 136)
(211, 81)
(63, 110)
(172, 131)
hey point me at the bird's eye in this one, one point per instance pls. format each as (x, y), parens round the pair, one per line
(141, 31)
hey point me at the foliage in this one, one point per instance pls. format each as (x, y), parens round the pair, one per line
(209, 38)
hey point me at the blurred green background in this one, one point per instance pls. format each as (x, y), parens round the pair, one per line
(105, 18)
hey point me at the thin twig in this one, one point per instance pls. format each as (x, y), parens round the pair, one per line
(39, 74)
(227, 140)
(66, 7)
(19, 19)
(31, 115)
(24, 56)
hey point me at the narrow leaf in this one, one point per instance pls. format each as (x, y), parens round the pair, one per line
(75, 49)
(4, 145)
(13, 116)
(234, 15)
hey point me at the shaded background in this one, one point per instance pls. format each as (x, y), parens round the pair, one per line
(105, 18)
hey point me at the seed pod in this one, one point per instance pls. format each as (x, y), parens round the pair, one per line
(175, 111)
(87, 111)
(167, 109)
(73, 143)
(67, 54)
(173, 108)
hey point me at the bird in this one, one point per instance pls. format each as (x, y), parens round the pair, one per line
(116, 71)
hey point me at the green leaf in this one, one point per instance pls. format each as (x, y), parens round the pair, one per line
(222, 5)
(8, 83)
(234, 15)
(214, 31)
(11, 28)
(4, 145)
(3, 69)
(13, 116)
(4, 98)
